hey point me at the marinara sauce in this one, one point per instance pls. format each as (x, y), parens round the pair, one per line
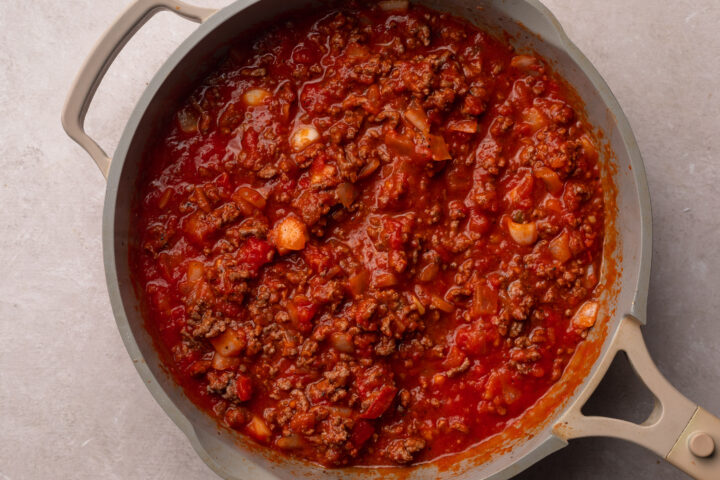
(371, 236)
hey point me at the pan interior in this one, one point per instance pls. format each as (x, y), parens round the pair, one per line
(530, 28)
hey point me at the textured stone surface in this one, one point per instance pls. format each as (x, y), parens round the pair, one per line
(71, 404)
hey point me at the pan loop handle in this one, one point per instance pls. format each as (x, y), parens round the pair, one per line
(677, 429)
(100, 59)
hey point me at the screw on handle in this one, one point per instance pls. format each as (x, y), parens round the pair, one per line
(695, 450)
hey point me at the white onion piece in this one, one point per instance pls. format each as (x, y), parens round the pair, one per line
(418, 118)
(251, 196)
(290, 233)
(195, 271)
(290, 442)
(550, 178)
(255, 96)
(535, 118)
(438, 148)
(560, 248)
(318, 177)
(304, 137)
(221, 362)
(523, 233)
(523, 62)
(229, 343)
(258, 428)
(588, 147)
(441, 304)
(586, 315)
(464, 126)
(188, 120)
(418, 304)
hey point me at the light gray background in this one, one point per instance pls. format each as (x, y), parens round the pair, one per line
(71, 404)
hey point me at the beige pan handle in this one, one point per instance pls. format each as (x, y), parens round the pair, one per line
(677, 429)
(100, 59)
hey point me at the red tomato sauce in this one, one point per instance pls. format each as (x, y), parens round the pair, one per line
(370, 236)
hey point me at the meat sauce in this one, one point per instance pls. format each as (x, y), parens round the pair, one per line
(371, 236)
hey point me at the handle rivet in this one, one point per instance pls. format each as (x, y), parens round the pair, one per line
(701, 444)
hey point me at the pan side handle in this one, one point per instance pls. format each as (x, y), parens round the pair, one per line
(677, 429)
(97, 63)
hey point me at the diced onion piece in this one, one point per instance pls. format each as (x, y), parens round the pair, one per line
(188, 120)
(400, 143)
(321, 175)
(358, 282)
(534, 118)
(438, 148)
(523, 62)
(586, 315)
(521, 191)
(290, 442)
(385, 279)
(394, 5)
(346, 194)
(229, 343)
(258, 429)
(342, 341)
(245, 208)
(550, 178)
(429, 272)
(441, 304)
(417, 117)
(588, 147)
(418, 304)
(590, 279)
(251, 196)
(552, 204)
(290, 233)
(464, 126)
(195, 271)
(523, 233)
(369, 168)
(560, 247)
(304, 137)
(221, 362)
(255, 96)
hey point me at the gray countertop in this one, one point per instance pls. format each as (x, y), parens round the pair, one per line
(71, 403)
